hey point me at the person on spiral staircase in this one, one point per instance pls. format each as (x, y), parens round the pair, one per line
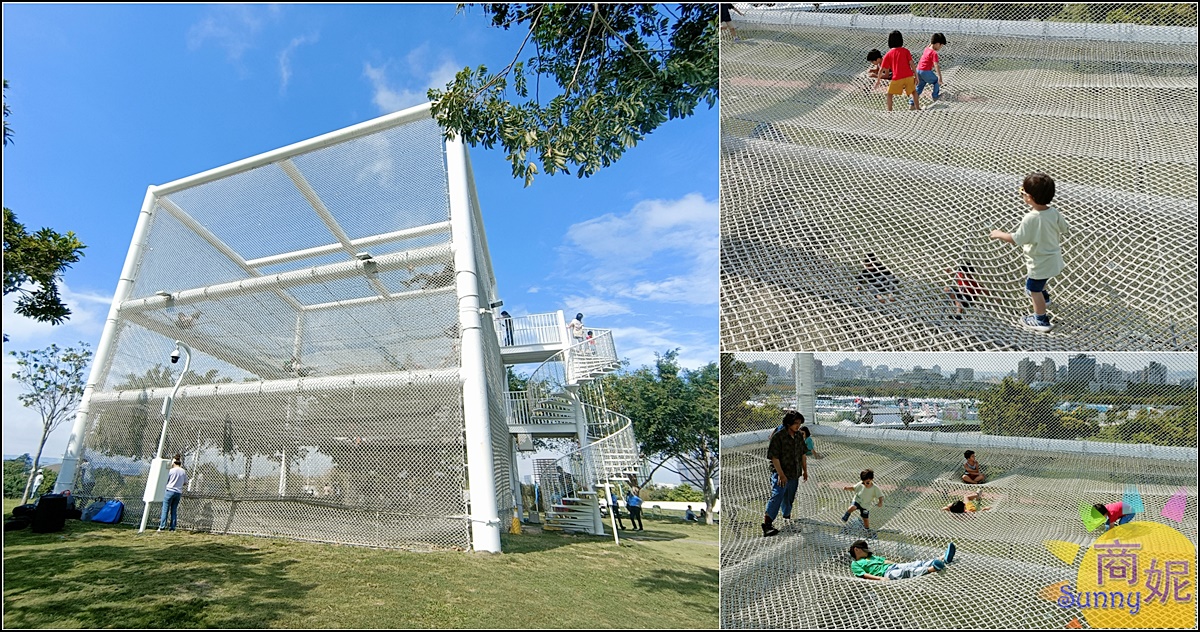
(786, 452)
(1039, 235)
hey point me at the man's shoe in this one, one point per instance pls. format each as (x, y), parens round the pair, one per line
(949, 557)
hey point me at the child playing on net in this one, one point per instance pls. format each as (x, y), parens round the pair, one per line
(876, 277)
(865, 493)
(1114, 514)
(929, 71)
(874, 73)
(973, 474)
(1040, 237)
(899, 62)
(867, 565)
(965, 288)
(971, 503)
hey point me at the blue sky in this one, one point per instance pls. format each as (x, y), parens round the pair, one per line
(107, 100)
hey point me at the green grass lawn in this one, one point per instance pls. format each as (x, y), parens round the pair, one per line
(92, 575)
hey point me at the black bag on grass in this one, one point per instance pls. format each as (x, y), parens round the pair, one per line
(51, 514)
(24, 510)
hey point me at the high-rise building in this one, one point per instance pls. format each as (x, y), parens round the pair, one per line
(1109, 374)
(1081, 369)
(1156, 373)
(937, 369)
(1049, 371)
(1027, 371)
(964, 375)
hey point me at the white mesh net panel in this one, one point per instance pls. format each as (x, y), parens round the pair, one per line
(1138, 435)
(816, 177)
(324, 400)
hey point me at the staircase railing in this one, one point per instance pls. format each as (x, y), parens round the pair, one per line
(612, 451)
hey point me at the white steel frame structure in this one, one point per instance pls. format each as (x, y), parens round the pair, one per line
(334, 293)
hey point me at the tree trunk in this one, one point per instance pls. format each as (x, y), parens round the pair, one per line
(34, 469)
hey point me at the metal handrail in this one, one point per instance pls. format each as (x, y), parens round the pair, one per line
(531, 329)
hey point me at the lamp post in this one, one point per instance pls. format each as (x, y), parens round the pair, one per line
(156, 466)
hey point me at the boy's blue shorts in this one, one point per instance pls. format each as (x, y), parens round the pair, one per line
(1035, 285)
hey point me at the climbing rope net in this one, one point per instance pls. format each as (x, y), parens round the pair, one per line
(817, 177)
(316, 288)
(1013, 556)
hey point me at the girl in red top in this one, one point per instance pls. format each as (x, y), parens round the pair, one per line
(965, 289)
(1114, 512)
(899, 61)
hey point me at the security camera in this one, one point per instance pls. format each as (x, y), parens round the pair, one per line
(175, 356)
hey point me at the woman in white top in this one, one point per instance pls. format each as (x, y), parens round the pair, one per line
(576, 328)
(177, 479)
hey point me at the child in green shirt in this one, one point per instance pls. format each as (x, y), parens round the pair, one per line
(870, 566)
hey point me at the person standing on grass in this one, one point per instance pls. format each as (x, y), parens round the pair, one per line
(177, 479)
(616, 511)
(786, 452)
(634, 504)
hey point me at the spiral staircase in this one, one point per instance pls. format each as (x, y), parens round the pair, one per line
(564, 399)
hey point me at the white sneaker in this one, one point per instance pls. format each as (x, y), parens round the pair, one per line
(1033, 322)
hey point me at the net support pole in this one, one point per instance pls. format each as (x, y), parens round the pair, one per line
(485, 519)
(105, 348)
(806, 390)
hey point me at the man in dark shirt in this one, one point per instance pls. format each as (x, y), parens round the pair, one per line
(786, 452)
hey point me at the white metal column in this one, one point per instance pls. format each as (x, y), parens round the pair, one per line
(806, 390)
(485, 519)
(104, 349)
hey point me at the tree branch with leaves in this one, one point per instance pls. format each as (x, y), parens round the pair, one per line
(622, 70)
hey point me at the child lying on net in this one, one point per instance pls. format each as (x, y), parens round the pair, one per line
(970, 503)
(867, 565)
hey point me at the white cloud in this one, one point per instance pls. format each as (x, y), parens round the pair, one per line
(285, 58)
(593, 306)
(661, 250)
(88, 312)
(232, 27)
(695, 348)
(422, 72)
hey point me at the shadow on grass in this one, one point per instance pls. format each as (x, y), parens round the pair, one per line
(163, 581)
(550, 540)
(701, 582)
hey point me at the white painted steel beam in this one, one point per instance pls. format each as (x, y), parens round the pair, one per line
(106, 346)
(357, 244)
(379, 299)
(216, 242)
(413, 114)
(290, 386)
(331, 222)
(485, 517)
(317, 274)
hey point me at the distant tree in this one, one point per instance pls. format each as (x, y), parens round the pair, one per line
(739, 384)
(16, 475)
(621, 70)
(34, 263)
(684, 493)
(54, 379)
(1013, 409)
(674, 413)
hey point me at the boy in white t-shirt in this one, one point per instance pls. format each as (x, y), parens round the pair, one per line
(865, 494)
(1040, 237)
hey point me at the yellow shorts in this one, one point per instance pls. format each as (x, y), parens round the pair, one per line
(905, 85)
